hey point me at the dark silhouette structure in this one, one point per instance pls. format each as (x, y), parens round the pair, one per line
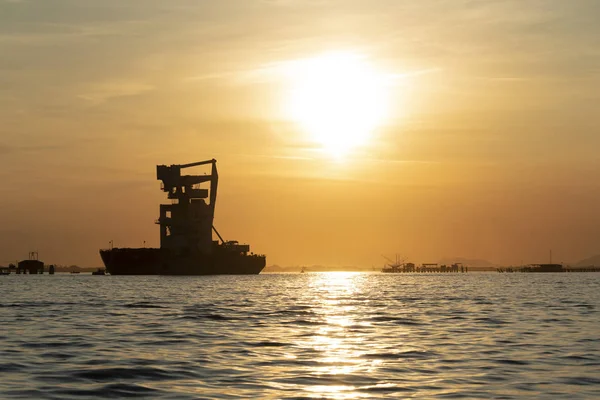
(548, 268)
(543, 268)
(31, 266)
(186, 227)
(402, 267)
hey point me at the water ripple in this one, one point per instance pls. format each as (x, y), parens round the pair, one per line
(338, 336)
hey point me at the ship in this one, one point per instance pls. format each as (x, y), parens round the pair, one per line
(186, 233)
(542, 268)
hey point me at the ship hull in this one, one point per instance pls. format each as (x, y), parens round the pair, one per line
(152, 261)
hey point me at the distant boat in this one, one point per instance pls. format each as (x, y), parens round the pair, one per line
(74, 272)
(302, 270)
(99, 271)
(4, 271)
(542, 268)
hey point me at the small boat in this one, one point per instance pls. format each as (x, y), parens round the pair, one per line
(4, 271)
(74, 272)
(99, 271)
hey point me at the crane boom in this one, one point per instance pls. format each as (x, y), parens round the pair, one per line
(195, 164)
(388, 259)
(218, 234)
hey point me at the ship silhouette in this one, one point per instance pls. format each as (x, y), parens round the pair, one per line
(186, 226)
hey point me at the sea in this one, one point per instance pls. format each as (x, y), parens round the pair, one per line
(331, 335)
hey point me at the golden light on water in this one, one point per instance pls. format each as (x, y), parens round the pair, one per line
(340, 348)
(338, 99)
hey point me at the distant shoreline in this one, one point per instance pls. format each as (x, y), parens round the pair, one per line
(278, 269)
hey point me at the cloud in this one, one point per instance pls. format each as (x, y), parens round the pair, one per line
(213, 76)
(103, 92)
(283, 70)
(8, 149)
(50, 32)
(503, 78)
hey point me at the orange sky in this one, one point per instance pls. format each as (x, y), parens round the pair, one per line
(489, 149)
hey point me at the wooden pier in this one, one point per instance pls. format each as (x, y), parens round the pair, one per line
(410, 268)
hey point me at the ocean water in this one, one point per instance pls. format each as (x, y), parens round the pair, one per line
(313, 335)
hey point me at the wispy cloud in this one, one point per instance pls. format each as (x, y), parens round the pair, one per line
(101, 93)
(51, 33)
(503, 78)
(227, 75)
(9, 149)
(282, 71)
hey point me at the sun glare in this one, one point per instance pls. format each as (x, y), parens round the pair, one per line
(338, 99)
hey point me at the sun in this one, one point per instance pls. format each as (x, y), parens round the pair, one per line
(338, 99)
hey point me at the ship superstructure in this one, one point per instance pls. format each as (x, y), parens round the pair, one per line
(187, 223)
(186, 226)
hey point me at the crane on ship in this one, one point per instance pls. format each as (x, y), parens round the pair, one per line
(190, 216)
(183, 187)
(187, 245)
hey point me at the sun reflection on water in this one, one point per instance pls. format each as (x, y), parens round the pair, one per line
(339, 342)
(342, 336)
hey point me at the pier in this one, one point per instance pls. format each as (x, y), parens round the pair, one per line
(31, 266)
(408, 268)
(545, 268)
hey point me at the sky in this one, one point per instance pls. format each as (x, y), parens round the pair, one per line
(488, 147)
